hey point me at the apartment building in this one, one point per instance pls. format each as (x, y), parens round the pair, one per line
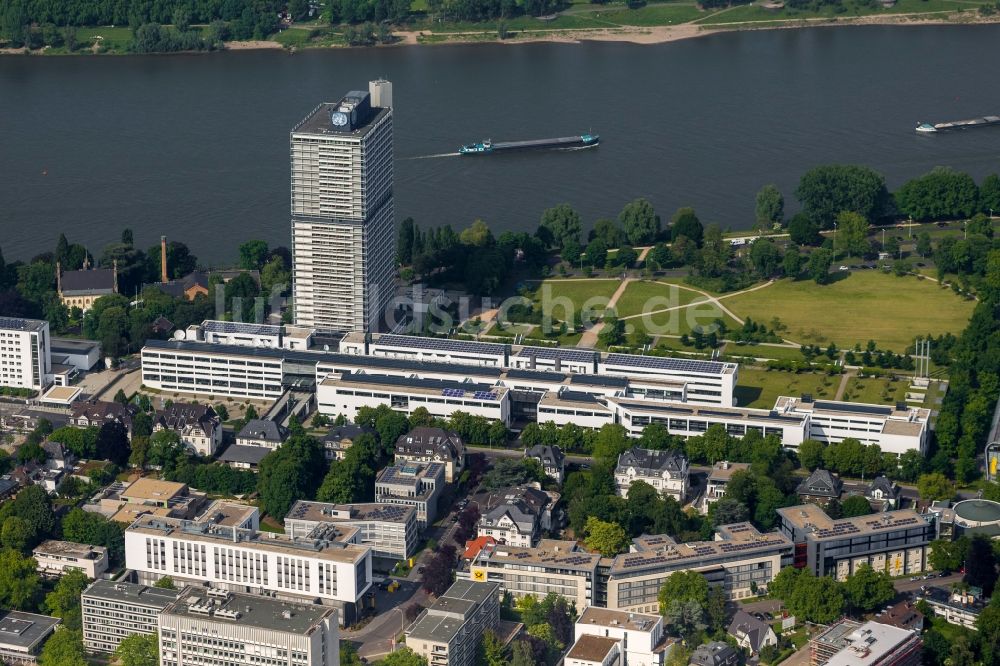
(426, 445)
(55, 558)
(390, 530)
(958, 607)
(665, 471)
(893, 541)
(412, 484)
(850, 643)
(449, 631)
(341, 438)
(342, 212)
(95, 413)
(114, 610)
(336, 570)
(215, 627)
(640, 638)
(25, 353)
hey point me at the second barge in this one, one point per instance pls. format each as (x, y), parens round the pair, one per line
(928, 128)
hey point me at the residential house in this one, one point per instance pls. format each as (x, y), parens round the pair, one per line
(98, 412)
(959, 607)
(751, 633)
(820, 488)
(199, 426)
(517, 516)
(551, 459)
(426, 445)
(715, 653)
(883, 494)
(666, 471)
(340, 438)
(903, 615)
(591, 650)
(718, 479)
(262, 433)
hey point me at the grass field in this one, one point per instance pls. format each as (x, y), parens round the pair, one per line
(756, 13)
(639, 297)
(764, 351)
(117, 39)
(760, 388)
(876, 390)
(555, 296)
(678, 322)
(860, 306)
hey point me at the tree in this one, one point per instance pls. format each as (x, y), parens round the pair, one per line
(686, 618)
(491, 651)
(770, 208)
(855, 505)
(816, 599)
(943, 193)
(437, 575)
(868, 589)
(597, 252)
(34, 506)
(715, 252)
(989, 194)
(639, 222)
(93, 528)
(765, 257)
(112, 443)
(522, 654)
(827, 191)
(562, 223)
(63, 648)
(138, 650)
(19, 582)
(785, 582)
(608, 232)
(609, 539)
(803, 230)
(981, 565)
(946, 555)
(275, 274)
(818, 265)
(811, 453)
(292, 472)
(852, 233)
(683, 586)
(935, 486)
(685, 223)
(64, 599)
(791, 263)
(405, 241)
(727, 511)
(165, 583)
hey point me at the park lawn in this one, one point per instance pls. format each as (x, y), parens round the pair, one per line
(876, 390)
(857, 307)
(551, 294)
(760, 388)
(118, 38)
(701, 314)
(755, 13)
(301, 37)
(638, 298)
(568, 340)
(651, 15)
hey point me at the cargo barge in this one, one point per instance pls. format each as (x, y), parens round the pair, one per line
(487, 146)
(985, 121)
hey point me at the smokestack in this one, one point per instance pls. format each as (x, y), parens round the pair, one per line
(163, 259)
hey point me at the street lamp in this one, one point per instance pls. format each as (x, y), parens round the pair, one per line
(402, 628)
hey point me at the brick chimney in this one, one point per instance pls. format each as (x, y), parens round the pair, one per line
(163, 259)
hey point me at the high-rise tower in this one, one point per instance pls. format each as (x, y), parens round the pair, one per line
(342, 212)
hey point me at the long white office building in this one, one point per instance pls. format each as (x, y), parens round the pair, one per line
(214, 627)
(337, 570)
(342, 212)
(445, 376)
(390, 530)
(25, 353)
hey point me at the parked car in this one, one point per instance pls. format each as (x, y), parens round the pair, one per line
(844, 268)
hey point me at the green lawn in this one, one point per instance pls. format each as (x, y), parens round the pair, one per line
(116, 39)
(677, 322)
(760, 388)
(763, 351)
(650, 15)
(857, 307)
(876, 390)
(556, 297)
(755, 13)
(640, 297)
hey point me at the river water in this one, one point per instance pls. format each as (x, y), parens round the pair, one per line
(196, 147)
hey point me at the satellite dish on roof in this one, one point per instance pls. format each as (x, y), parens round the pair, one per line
(179, 334)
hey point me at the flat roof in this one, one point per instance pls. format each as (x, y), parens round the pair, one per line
(131, 593)
(573, 400)
(324, 512)
(444, 387)
(855, 409)
(592, 648)
(573, 354)
(865, 644)
(439, 344)
(62, 394)
(318, 121)
(226, 513)
(239, 328)
(689, 410)
(446, 616)
(605, 617)
(146, 488)
(70, 549)
(550, 554)
(668, 363)
(661, 551)
(818, 526)
(724, 470)
(72, 346)
(250, 610)
(24, 631)
(187, 530)
(18, 324)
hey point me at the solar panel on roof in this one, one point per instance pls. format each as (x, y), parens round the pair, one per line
(441, 344)
(664, 363)
(13, 323)
(877, 410)
(452, 393)
(237, 327)
(561, 353)
(484, 395)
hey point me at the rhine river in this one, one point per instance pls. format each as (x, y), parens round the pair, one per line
(196, 147)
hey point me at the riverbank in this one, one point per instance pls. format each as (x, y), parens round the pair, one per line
(655, 23)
